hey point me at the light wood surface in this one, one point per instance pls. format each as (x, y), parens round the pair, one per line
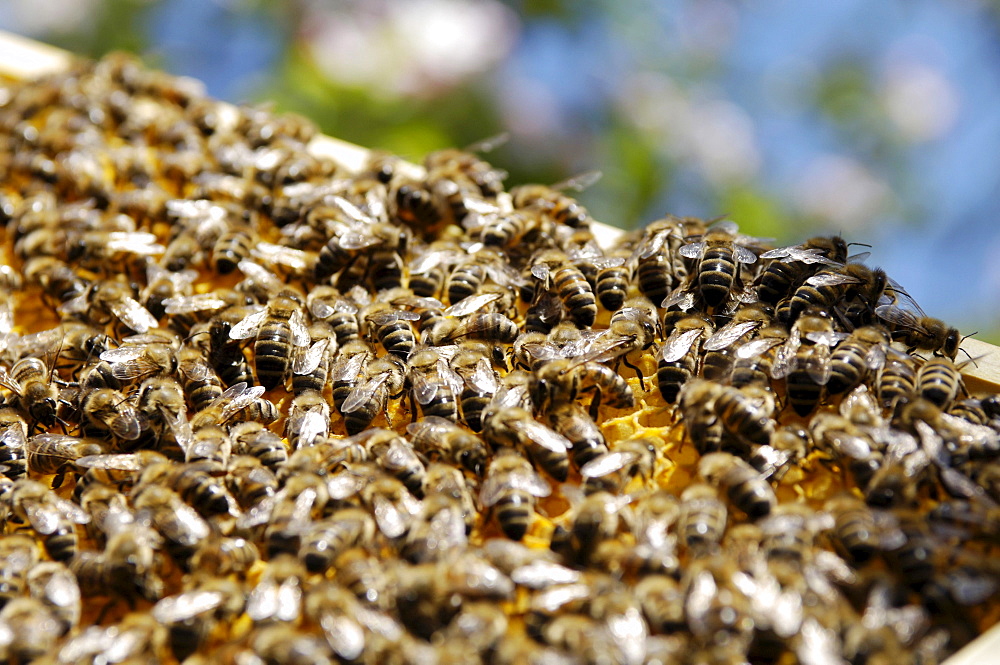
(23, 58)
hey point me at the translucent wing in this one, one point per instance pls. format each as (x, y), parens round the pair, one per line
(131, 313)
(693, 250)
(307, 362)
(450, 377)
(484, 378)
(543, 436)
(744, 254)
(678, 344)
(391, 316)
(784, 359)
(680, 298)
(249, 325)
(728, 334)
(391, 521)
(350, 367)
(471, 304)
(578, 182)
(113, 462)
(831, 279)
(609, 463)
(186, 606)
(300, 333)
(292, 258)
(756, 347)
(362, 394)
(199, 302)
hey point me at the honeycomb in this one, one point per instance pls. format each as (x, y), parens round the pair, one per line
(197, 299)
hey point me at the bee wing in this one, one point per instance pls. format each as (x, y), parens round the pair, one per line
(134, 242)
(6, 318)
(264, 600)
(398, 455)
(112, 462)
(744, 254)
(693, 250)
(471, 304)
(13, 440)
(455, 382)
(390, 316)
(898, 316)
(484, 378)
(608, 463)
(131, 313)
(249, 325)
(238, 396)
(680, 298)
(424, 390)
(180, 427)
(829, 278)
(364, 392)
(300, 333)
(257, 514)
(817, 364)
(260, 275)
(186, 606)
(785, 358)
(308, 361)
(826, 338)
(189, 528)
(196, 370)
(678, 344)
(728, 334)
(289, 257)
(344, 635)
(447, 530)
(541, 271)
(542, 435)
(43, 516)
(543, 351)
(8, 382)
(344, 485)
(390, 519)
(127, 424)
(349, 367)
(199, 302)
(756, 347)
(134, 369)
(543, 574)
(875, 357)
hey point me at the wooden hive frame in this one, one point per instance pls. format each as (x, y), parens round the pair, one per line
(22, 58)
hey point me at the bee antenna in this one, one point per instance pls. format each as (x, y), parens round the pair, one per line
(195, 334)
(859, 244)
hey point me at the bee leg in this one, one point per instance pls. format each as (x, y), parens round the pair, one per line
(57, 480)
(595, 404)
(638, 372)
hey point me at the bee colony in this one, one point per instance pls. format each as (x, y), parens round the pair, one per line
(261, 409)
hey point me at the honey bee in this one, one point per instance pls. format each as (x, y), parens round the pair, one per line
(745, 487)
(832, 286)
(467, 277)
(788, 267)
(440, 439)
(471, 363)
(702, 520)
(32, 628)
(180, 525)
(112, 300)
(939, 382)
(448, 515)
(383, 379)
(392, 505)
(720, 253)
(862, 352)
(327, 539)
(52, 583)
(563, 380)
(917, 330)
(311, 369)
(308, 420)
(237, 404)
(194, 482)
(572, 421)
(512, 486)
(860, 532)
(254, 439)
(718, 360)
(806, 367)
(515, 427)
(434, 384)
(747, 414)
(678, 359)
(20, 554)
(13, 439)
(53, 518)
(53, 454)
(326, 303)
(560, 275)
(191, 616)
(106, 410)
(350, 361)
(613, 280)
(392, 328)
(627, 459)
(32, 383)
(277, 329)
(703, 427)
(198, 378)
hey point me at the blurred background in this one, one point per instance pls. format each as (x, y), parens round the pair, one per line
(876, 119)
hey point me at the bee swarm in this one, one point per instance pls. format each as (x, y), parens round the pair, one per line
(261, 410)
